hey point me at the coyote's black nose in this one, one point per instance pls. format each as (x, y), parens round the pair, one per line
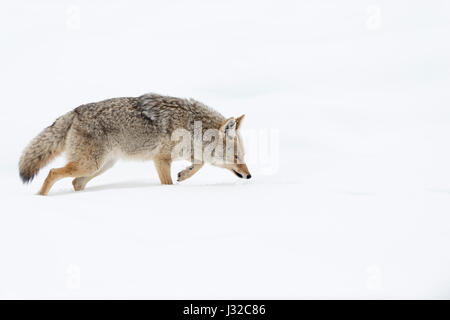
(249, 176)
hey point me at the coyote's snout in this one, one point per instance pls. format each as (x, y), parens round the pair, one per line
(94, 136)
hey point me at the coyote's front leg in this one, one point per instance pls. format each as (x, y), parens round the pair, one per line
(189, 171)
(163, 169)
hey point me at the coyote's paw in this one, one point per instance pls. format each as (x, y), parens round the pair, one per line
(184, 174)
(79, 184)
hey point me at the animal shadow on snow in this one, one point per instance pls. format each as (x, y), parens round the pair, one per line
(108, 186)
(137, 184)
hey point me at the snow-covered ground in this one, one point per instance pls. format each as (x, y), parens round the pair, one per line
(348, 122)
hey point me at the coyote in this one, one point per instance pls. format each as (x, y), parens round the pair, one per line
(95, 135)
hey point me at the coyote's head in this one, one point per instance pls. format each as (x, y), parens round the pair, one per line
(232, 157)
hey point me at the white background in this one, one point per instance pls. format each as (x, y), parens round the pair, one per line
(356, 201)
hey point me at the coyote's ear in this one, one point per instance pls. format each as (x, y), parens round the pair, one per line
(229, 127)
(239, 121)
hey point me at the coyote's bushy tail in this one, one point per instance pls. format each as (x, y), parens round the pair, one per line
(45, 147)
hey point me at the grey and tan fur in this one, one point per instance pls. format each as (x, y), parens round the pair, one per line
(95, 135)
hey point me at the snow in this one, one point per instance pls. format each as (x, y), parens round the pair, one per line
(347, 132)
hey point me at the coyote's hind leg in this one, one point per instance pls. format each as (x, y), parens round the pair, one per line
(80, 183)
(72, 169)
